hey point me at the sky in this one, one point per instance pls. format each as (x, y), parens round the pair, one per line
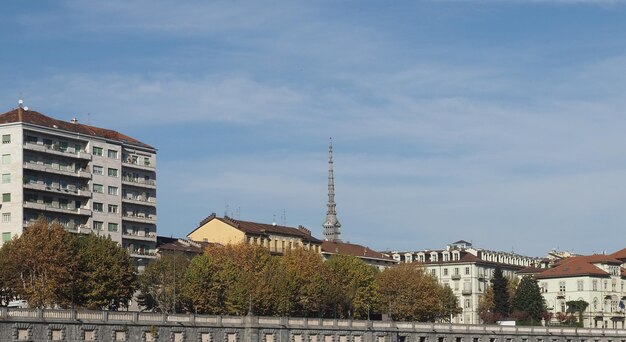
(497, 122)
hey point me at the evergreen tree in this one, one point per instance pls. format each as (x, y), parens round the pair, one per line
(449, 303)
(500, 294)
(528, 299)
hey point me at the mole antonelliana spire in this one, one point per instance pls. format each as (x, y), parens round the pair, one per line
(331, 224)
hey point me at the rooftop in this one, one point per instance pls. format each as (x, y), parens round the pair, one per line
(35, 118)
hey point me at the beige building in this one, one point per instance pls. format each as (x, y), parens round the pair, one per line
(596, 279)
(278, 239)
(87, 178)
(467, 271)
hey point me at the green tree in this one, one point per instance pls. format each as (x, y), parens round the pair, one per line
(304, 284)
(201, 288)
(161, 282)
(408, 293)
(352, 287)
(528, 300)
(106, 277)
(40, 265)
(241, 268)
(500, 294)
(449, 303)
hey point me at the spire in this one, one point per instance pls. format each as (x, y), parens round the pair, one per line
(331, 224)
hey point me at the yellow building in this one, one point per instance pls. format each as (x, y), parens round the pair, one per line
(278, 239)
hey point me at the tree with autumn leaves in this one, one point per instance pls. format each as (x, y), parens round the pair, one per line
(49, 267)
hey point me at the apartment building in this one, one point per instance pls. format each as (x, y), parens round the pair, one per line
(467, 271)
(278, 239)
(597, 279)
(89, 179)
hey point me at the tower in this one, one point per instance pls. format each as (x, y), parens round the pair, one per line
(331, 224)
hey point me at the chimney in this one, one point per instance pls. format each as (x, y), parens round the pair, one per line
(74, 120)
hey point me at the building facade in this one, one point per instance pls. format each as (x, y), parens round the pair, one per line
(278, 239)
(467, 271)
(88, 179)
(598, 279)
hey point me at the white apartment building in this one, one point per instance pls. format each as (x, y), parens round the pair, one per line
(87, 178)
(467, 271)
(597, 279)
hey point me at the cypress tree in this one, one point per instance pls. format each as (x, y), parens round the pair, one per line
(500, 293)
(528, 299)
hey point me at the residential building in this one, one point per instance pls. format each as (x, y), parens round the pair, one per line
(466, 270)
(367, 255)
(278, 239)
(87, 178)
(597, 279)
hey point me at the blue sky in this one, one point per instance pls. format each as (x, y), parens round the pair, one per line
(497, 122)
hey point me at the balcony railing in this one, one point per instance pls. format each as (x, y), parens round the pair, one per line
(149, 236)
(138, 165)
(39, 166)
(139, 253)
(57, 150)
(456, 276)
(141, 200)
(140, 217)
(56, 208)
(139, 181)
(466, 292)
(38, 185)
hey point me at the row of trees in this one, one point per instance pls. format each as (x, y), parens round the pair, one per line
(49, 267)
(510, 298)
(237, 279)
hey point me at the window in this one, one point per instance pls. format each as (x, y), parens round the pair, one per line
(62, 203)
(97, 225)
(6, 217)
(445, 271)
(6, 138)
(580, 285)
(6, 159)
(595, 285)
(97, 170)
(433, 272)
(97, 188)
(113, 227)
(112, 154)
(561, 286)
(6, 178)
(97, 206)
(112, 172)
(6, 197)
(146, 161)
(456, 271)
(97, 151)
(6, 237)
(112, 190)
(112, 208)
(467, 270)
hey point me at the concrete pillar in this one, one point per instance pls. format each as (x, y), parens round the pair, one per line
(251, 331)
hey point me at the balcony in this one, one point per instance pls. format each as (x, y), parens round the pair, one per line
(41, 186)
(481, 277)
(56, 208)
(140, 200)
(138, 165)
(139, 236)
(41, 167)
(560, 294)
(466, 292)
(56, 150)
(455, 276)
(141, 182)
(141, 218)
(139, 253)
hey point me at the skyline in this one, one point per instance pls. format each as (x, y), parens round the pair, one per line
(496, 122)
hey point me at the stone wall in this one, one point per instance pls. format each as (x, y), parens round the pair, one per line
(66, 325)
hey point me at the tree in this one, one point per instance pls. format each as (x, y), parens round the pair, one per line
(106, 277)
(40, 266)
(304, 283)
(512, 282)
(500, 294)
(528, 299)
(449, 303)
(408, 293)
(161, 282)
(486, 306)
(240, 271)
(201, 288)
(352, 286)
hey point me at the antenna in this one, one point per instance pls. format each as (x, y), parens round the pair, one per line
(284, 218)
(274, 220)
(20, 102)
(238, 213)
(226, 210)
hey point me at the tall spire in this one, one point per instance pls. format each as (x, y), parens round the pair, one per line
(331, 224)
